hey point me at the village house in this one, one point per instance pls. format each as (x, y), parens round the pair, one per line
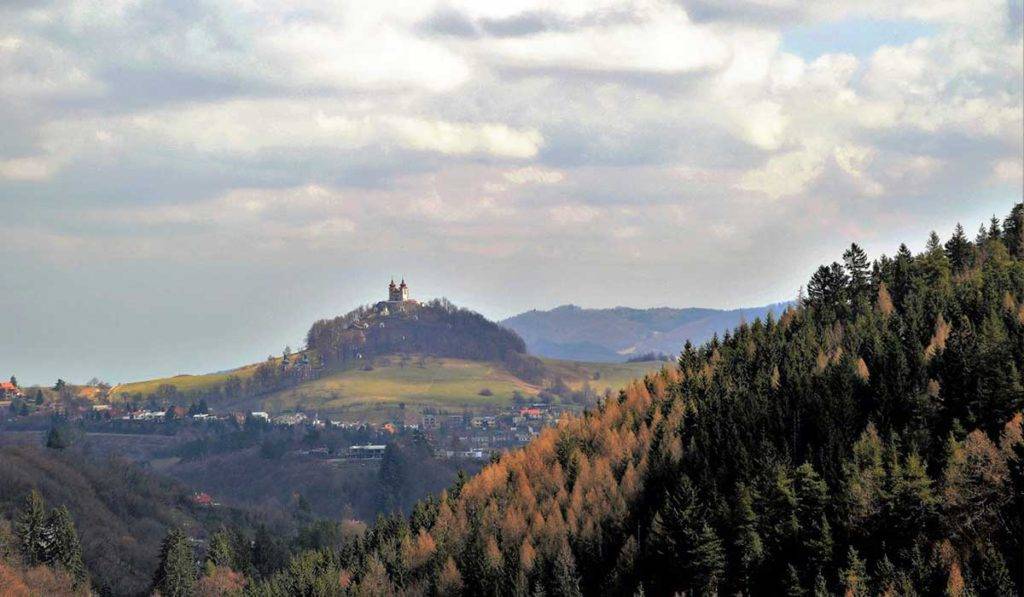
(9, 391)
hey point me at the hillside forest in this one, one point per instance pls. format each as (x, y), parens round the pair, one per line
(867, 441)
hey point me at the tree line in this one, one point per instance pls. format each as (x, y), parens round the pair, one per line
(868, 441)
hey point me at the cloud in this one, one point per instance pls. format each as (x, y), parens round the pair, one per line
(534, 175)
(27, 169)
(614, 139)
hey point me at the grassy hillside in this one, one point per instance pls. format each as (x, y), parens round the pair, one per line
(436, 383)
(184, 383)
(417, 382)
(444, 383)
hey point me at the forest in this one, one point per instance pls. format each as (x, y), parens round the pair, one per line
(867, 441)
(436, 328)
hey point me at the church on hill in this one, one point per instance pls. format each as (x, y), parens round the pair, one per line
(398, 299)
(399, 293)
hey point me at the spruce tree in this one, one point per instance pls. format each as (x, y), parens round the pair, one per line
(30, 529)
(63, 547)
(176, 573)
(220, 553)
(707, 559)
(855, 576)
(791, 586)
(565, 580)
(958, 250)
(1013, 231)
(820, 586)
(57, 438)
(812, 497)
(858, 270)
(747, 544)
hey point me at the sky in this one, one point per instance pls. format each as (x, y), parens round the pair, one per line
(187, 186)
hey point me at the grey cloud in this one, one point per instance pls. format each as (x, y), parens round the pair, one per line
(447, 21)
(742, 11)
(527, 23)
(648, 162)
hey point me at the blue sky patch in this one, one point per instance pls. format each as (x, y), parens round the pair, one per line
(860, 37)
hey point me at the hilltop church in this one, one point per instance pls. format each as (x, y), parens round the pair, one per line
(399, 293)
(398, 299)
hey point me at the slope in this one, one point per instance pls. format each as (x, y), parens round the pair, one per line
(869, 441)
(415, 382)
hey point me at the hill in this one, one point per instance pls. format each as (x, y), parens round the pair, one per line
(575, 333)
(415, 382)
(868, 441)
(374, 360)
(121, 511)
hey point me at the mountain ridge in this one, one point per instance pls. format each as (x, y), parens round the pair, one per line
(613, 334)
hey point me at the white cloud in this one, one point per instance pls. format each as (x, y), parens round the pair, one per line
(1010, 171)
(281, 123)
(247, 127)
(464, 138)
(34, 68)
(658, 39)
(573, 214)
(786, 174)
(33, 169)
(534, 175)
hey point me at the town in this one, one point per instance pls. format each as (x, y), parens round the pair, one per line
(464, 434)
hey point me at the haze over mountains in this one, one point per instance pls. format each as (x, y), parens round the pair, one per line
(609, 335)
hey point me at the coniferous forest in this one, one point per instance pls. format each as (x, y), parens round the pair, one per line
(866, 442)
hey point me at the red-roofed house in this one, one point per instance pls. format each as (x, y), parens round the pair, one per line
(9, 391)
(203, 499)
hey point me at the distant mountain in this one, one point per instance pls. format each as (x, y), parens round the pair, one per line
(571, 332)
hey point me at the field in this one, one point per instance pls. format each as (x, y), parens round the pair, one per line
(414, 382)
(184, 383)
(410, 383)
(444, 384)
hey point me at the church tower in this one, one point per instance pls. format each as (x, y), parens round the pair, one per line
(398, 293)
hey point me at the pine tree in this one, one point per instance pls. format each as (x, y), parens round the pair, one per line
(827, 288)
(63, 548)
(220, 553)
(30, 529)
(958, 250)
(855, 576)
(858, 270)
(812, 497)
(820, 586)
(707, 560)
(747, 545)
(791, 583)
(673, 535)
(994, 229)
(1013, 231)
(57, 438)
(176, 573)
(565, 581)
